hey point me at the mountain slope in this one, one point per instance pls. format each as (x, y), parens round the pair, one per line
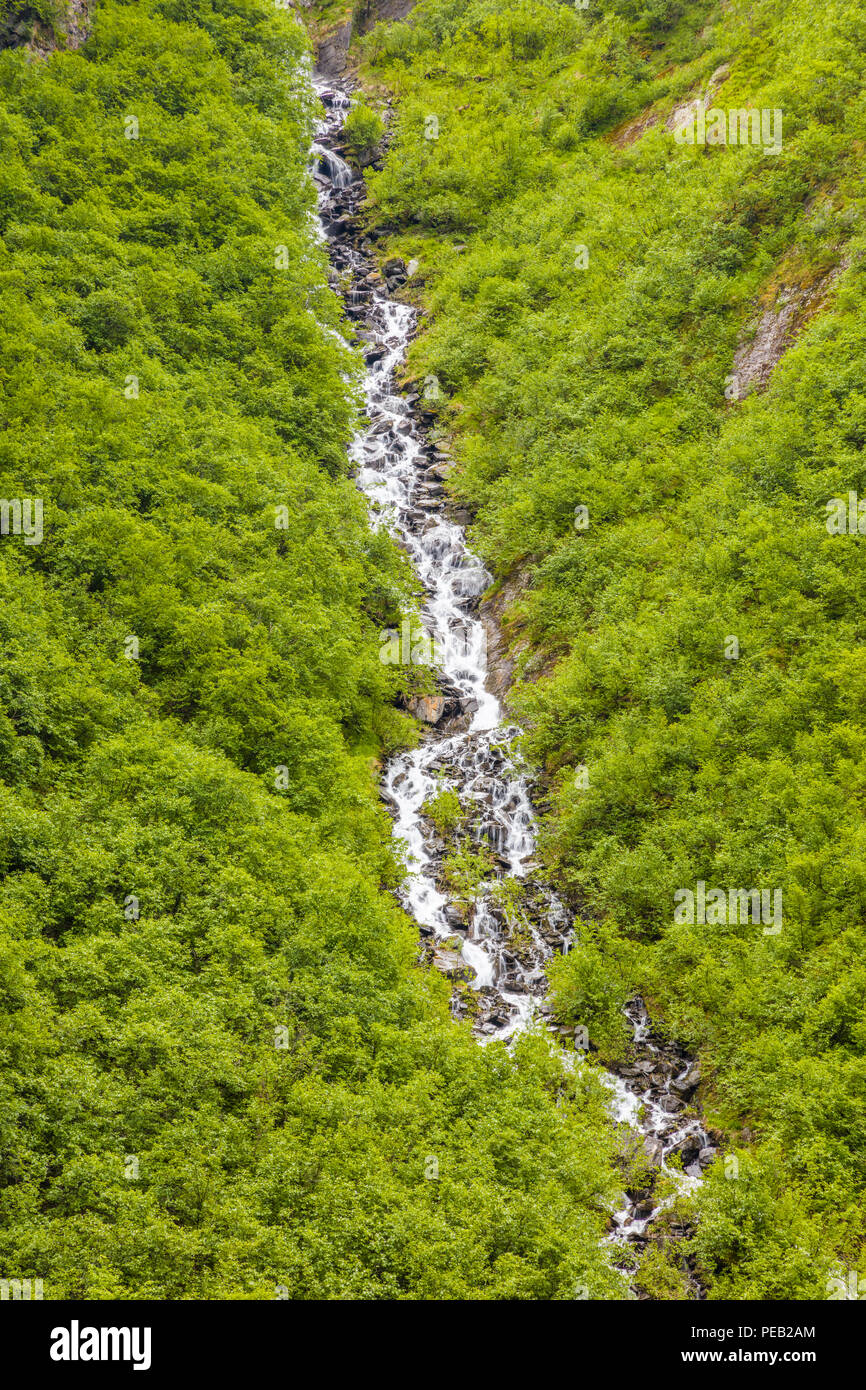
(652, 354)
(225, 1075)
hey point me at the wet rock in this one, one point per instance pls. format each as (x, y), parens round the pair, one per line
(654, 1150)
(429, 708)
(776, 329)
(341, 225)
(687, 1083)
(453, 918)
(450, 963)
(689, 1150)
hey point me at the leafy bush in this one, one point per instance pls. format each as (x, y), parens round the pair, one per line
(445, 811)
(362, 129)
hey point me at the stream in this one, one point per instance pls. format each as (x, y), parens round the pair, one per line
(494, 946)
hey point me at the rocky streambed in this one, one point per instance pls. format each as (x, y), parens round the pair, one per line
(461, 801)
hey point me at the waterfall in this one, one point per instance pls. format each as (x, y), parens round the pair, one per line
(471, 749)
(331, 166)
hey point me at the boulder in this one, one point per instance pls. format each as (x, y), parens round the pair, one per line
(429, 708)
(453, 918)
(450, 963)
(654, 1150)
(689, 1078)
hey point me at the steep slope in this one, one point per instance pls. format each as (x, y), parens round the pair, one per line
(652, 357)
(224, 1073)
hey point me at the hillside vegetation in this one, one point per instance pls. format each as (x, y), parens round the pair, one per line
(224, 1074)
(694, 638)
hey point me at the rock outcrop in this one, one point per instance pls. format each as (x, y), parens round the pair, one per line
(25, 28)
(777, 328)
(332, 52)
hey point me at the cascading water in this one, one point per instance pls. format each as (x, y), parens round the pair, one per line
(502, 950)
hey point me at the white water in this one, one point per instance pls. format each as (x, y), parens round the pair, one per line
(477, 757)
(472, 750)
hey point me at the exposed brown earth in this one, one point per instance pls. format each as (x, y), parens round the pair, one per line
(633, 129)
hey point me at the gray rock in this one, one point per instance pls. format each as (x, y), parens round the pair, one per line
(654, 1150)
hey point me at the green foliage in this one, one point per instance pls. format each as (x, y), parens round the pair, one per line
(600, 382)
(106, 320)
(756, 1236)
(223, 1070)
(445, 811)
(660, 1277)
(362, 128)
(590, 986)
(466, 868)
